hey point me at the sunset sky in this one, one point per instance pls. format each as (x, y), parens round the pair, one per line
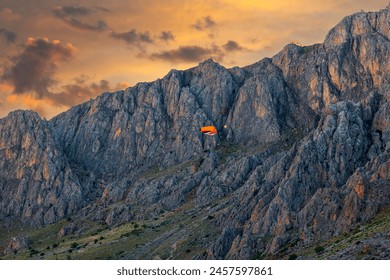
(55, 54)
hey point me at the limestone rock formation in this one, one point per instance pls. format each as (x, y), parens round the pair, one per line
(16, 244)
(36, 182)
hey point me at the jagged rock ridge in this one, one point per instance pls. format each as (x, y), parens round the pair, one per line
(105, 159)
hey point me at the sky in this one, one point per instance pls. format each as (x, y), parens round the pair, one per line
(56, 54)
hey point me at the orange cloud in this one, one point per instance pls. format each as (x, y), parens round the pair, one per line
(30, 103)
(8, 15)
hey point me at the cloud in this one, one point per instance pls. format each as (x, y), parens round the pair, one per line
(102, 9)
(78, 92)
(100, 25)
(166, 36)
(7, 35)
(33, 69)
(8, 15)
(133, 37)
(196, 53)
(189, 54)
(71, 94)
(72, 15)
(81, 91)
(232, 46)
(204, 23)
(64, 11)
(31, 77)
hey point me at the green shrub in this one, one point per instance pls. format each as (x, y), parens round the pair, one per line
(33, 251)
(319, 249)
(293, 257)
(136, 232)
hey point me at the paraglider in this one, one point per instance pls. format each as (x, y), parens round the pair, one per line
(208, 130)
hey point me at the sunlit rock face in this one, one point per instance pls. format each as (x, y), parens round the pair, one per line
(309, 129)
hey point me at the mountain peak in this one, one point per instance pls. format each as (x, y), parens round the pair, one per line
(24, 114)
(359, 24)
(209, 63)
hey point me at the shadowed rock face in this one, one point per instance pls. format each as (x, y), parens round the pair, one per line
(134, 153)
(36, 182)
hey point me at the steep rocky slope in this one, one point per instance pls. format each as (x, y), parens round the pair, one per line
(302, 152)
(36, 182)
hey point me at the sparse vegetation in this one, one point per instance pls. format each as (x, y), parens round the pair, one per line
(136, 239)
(259, 256)
(380, 224)
(292, 257)
(319, 249)
(149, 238)
(156, 171)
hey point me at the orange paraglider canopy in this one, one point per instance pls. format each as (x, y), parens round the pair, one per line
(209, 130)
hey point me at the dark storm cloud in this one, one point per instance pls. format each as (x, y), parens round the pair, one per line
(79, 17)
(7, 35)
(204, 23)
(33, 69)
(188, 54)
(232, 46)
(133, 37)
(166, 36)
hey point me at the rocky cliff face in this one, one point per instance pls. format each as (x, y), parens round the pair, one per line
(37, 184)
(302, 151)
